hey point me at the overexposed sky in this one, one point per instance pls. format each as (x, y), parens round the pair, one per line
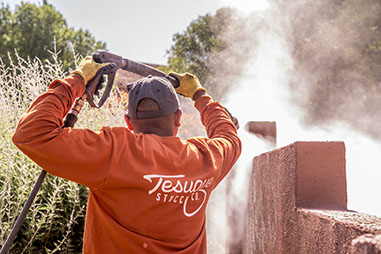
(141, 30)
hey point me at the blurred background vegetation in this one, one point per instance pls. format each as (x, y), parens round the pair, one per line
(55, 221)
(33, 30)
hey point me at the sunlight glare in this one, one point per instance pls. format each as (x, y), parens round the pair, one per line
(247, 6)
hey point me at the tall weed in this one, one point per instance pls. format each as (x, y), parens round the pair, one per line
(55, 221)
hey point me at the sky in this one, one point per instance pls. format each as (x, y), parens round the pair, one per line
(140, 30)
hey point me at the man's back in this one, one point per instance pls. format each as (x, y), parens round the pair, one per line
(157, 197)
(147, 193)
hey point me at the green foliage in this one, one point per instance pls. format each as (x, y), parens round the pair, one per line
(34, 30)
(207, 47)
(193, 47)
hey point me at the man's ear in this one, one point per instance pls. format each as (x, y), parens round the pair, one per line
(178, 115)
(128, 122)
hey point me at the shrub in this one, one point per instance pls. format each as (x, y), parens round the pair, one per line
(55, 221)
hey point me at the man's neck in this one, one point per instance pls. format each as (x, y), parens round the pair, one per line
(159, 132)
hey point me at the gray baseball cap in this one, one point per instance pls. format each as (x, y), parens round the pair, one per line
(157, 88)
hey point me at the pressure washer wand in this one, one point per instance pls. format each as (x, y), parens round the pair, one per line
(103, 56)
(70, 120)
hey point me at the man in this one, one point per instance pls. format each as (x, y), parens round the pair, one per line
(148, 189)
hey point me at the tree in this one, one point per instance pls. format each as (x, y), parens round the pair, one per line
(34, 30)
(193, 47)
(210, 46)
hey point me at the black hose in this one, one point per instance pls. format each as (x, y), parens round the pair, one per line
(20, 220)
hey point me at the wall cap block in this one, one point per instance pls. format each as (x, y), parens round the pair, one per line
(367, 244)
(320, 175)
(359, 221)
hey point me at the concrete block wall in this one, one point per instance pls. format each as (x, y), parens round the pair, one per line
(297, 202)
(367, 244)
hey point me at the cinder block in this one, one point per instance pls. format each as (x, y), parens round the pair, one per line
(263, 129)
(320, 175)
(272, 203)
(304, 173)
(297, 202)
(367, 244)
(332, 231)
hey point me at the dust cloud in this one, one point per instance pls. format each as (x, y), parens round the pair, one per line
(311, 66)
(335, 45)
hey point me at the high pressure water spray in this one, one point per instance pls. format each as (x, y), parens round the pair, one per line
(93, 87)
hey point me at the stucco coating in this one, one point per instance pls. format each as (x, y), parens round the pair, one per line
(263, 129)
(330, 231)
(320, 175)
(367, 244)
(272, 203)
(297, 202)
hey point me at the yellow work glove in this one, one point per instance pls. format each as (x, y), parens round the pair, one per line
(88, 68)
(188, 84)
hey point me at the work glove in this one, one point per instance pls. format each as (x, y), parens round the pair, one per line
(188, 84)
(88, 68)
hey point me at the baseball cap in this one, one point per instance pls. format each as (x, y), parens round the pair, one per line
(157, 88)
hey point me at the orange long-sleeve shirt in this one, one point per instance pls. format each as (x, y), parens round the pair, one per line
(147, 193)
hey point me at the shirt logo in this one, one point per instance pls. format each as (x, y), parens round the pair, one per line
(173, 188)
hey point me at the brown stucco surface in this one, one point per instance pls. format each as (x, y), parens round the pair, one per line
(297, 202)
(263, 129)
(367, 244)
(329, 231)
(320, 175)
(272, 203)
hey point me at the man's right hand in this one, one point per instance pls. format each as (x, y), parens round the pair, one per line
(189, 84)
(88, 68)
